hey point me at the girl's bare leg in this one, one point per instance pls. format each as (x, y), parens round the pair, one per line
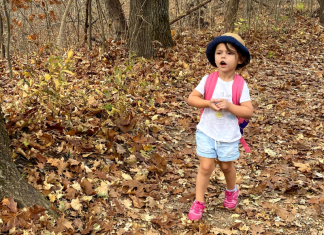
(229, 173)
(206, 168)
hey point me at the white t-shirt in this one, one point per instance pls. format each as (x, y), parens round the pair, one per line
(222, 125)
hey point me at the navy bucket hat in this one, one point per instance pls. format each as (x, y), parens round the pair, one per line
(233, 39)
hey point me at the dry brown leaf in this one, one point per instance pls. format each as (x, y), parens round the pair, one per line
(137, 202)
(87, 187)
(119, 207)
(303, 167)
(71, 193)
(314, 200)
(216, 230)
(203, 229)
(127, 203)
(12, 205)
(120, 149)
(151, 202)
(257, 230)
(92, 101)
(102, 190)
(285, 215)
(76, 205)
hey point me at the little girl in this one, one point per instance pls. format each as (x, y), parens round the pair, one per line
(218, 132)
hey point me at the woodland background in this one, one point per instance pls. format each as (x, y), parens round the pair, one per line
(109, 138)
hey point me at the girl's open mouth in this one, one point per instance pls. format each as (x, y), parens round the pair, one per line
(222, 63)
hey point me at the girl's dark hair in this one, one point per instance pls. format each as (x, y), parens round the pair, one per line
(241, 57)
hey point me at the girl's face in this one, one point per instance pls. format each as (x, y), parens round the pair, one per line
(226, 60)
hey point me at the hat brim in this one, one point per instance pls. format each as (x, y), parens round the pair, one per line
(210, 51)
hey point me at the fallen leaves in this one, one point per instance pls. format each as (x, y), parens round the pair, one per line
(11, 216)
(111, 156)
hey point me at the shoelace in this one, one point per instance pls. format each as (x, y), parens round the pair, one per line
(197, 208)
(230, 196)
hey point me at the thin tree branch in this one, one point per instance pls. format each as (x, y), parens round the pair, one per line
(189, 11)
(8, 37)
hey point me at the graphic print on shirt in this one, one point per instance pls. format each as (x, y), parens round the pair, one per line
(224, 113)
(232, 117)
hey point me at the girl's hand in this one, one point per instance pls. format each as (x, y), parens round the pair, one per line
(213, 105)
(222, 104)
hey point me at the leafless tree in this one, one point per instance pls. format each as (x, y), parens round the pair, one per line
(230, 15)
(63, 22)
(149, 21)
(321, 11)
(2, 47)
(118, 19)
(8, 36)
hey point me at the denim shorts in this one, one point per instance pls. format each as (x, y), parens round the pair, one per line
(210, 148)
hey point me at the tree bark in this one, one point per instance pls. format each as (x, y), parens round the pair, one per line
(8, 37)
(86, 25)
(78, 18)
(103, 37)
(118, 19)
(140, 34)
(90, 25)
(321, 13)
(2, 47)
(149, 21)
(230, 15)
(161, 26)
(12, 182)
(63, 22)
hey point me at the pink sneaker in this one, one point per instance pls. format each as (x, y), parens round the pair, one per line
(231, 198)
(196, 210)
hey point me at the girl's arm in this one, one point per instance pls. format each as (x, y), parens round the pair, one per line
(195, 99)
(245, 110)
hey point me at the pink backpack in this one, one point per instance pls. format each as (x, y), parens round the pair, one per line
(237, 89)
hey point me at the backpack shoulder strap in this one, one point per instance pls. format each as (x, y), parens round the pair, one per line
(210, 86)
(237, 89)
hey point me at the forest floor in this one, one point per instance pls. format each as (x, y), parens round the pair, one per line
(111, 141)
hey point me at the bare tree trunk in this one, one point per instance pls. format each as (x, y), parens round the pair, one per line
(2, 47)
(8, 37)
(199, 15)
(257, 17)
(177, 14)
(103, 38)
(249, 11)
(161, 25)
(63, 22)
(117, 16)
(149, 21)
(278, 7)
(230, 15)
(86, 22)
(140, 29)
(11, 181)
(78, 19)
(48, 20)
(90, 24)
(321, 13)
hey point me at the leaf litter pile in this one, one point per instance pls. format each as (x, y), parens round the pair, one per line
(111, 141)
